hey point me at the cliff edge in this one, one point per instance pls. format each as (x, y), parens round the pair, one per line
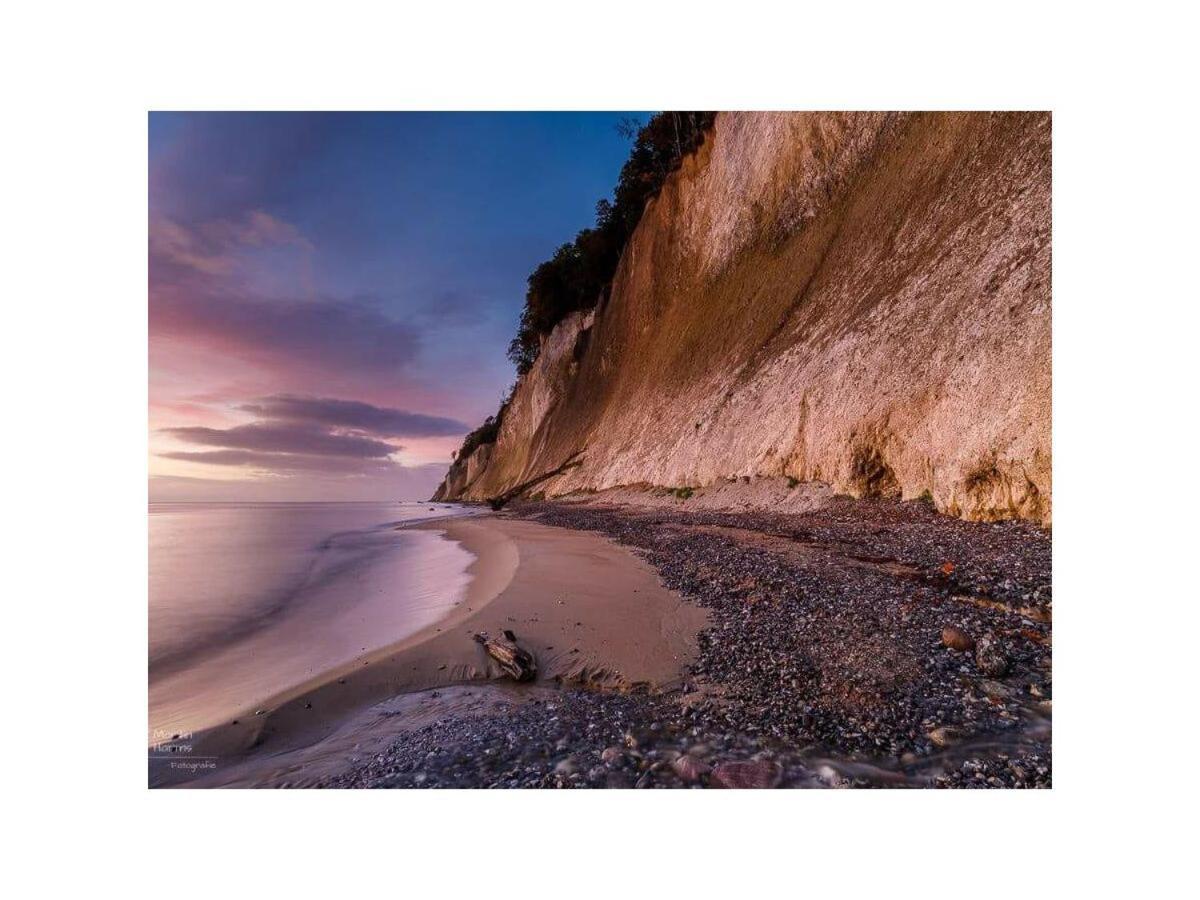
(857, 299)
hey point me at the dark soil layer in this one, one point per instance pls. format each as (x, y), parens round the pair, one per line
(825, 663)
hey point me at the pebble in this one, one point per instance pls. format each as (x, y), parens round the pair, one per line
(995, 690)
(689, 768)
(990, 656)
(753, 774)
(841, 657)
(943, 737)
(957, 639)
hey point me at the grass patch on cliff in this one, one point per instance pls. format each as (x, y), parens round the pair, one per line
(487, 432)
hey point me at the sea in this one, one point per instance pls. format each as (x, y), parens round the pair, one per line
(250, 599)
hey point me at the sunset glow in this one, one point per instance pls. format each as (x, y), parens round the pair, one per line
(314, 331)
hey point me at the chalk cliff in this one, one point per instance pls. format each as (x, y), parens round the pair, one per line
(857, 299)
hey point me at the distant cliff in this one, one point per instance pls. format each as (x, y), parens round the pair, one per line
(860, 299)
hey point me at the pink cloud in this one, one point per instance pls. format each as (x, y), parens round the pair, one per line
(237, 334)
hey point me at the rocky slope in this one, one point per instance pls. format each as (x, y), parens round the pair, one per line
(856, 299)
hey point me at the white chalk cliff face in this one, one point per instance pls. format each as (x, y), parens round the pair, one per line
(858, 299)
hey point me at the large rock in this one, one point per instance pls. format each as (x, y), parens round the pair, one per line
(860, 299)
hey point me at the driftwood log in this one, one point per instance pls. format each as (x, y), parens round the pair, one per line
(516, 661)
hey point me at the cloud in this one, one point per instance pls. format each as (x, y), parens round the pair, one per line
(217, 284)
(214, 248)
(259, 229)
(217, 165)
(311, 435)
(398, 482)
(172, 244)
(253, 300)
(377, 420)
(285, 437)
(286, 463)
(321, 334)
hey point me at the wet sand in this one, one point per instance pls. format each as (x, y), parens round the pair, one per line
(825, 662)
(591, 612)
(250, 600)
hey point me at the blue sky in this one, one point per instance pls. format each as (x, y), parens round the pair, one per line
(374, 258)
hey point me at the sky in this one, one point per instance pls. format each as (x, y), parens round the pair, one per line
(331, 295)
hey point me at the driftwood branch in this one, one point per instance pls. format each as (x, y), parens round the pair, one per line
(516, 661)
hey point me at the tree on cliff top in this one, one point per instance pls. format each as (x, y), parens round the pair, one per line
(581, 272)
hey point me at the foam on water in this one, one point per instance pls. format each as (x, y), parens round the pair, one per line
(249, 599)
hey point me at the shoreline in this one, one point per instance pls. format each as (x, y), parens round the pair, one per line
(256, 612)
(814, 654)
(520, 573)
(864, 643)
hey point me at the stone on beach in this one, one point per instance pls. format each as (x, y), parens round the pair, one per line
(752, 774)
(945, 736)
(957, 639)
(990, 656)
(689, 768)
(830, 683)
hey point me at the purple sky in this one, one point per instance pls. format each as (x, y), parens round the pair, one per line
(331, 295)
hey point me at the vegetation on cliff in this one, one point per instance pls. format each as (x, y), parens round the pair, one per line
(825, 297)
(485, 433)
(580, 273)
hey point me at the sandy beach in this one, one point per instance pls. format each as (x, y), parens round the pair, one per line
(592, 613)
(860, 643)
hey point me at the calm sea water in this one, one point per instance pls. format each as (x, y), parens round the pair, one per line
(248, 599)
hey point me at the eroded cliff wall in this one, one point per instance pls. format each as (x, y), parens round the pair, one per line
(861, 299)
